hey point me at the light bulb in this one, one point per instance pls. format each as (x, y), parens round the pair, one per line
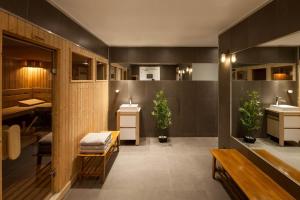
(223, 58)
(233, 58)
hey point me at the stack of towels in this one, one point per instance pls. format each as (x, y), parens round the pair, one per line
(95, 143)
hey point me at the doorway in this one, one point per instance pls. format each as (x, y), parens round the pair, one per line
(27, 99)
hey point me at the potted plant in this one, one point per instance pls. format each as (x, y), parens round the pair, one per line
(251, 115)
(162, 115)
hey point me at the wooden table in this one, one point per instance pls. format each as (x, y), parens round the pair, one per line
(95, 164)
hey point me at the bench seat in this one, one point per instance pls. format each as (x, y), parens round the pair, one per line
(251, 180)
(95, 164)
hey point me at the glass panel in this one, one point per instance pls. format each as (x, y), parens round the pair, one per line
(101, 71)
(81, 67)
(283, 73)
(259, 74)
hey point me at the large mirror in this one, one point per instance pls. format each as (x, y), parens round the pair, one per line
(160, 72)
(265, 100)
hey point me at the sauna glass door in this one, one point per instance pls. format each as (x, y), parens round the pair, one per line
(26, 119)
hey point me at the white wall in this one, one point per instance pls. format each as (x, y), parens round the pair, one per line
(205, 71)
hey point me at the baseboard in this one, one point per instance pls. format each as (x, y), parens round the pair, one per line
(61, 194)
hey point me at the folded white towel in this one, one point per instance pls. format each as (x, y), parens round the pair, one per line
(96, 139)
(95, 147)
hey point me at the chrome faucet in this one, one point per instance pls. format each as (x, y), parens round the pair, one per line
(278, 99)
(130, 101)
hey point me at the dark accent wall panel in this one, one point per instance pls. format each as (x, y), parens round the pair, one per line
(193, 105)
(42, 13)
(276, 19)
(263, 55)
(164, 54)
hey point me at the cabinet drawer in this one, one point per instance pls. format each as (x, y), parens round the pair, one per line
(127, 121)
(292, 135)
(127, 133)
(291, 121)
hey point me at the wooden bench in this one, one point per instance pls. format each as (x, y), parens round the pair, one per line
(252, 181)
(95, 164)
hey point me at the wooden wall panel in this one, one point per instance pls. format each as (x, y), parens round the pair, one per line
(78, 107)
(17, 75)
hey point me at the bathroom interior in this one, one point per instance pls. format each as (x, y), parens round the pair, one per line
(272, 70)
(60, 85)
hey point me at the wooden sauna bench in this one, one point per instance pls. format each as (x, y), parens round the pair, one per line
(17, 111)
(95, 164)
(251, 180)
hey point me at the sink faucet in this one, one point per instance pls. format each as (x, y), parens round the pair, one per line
(130, 100)
(278, 99)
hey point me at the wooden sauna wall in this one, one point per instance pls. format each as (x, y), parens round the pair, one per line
(17, 75)
(78, 107)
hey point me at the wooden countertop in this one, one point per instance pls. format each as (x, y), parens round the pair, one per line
(280, 111)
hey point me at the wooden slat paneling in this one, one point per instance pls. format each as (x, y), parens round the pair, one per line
(78, 107)
(17, 75)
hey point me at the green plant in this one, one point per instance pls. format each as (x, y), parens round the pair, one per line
(161, 111)
(251, 112)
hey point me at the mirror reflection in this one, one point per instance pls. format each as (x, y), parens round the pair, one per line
(158, 72)
(265, 112)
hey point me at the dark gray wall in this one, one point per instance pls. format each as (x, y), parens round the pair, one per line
(268, 90)
(169, 55)
(42, 13)
(263, 55)
(275, 20)
(193, 105)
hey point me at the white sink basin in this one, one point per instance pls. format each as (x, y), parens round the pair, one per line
(129, 108)
(284, 108)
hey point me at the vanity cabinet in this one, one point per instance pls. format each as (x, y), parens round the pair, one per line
(128, 123)
(284, 125)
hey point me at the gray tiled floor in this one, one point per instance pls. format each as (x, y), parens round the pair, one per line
(180, 169)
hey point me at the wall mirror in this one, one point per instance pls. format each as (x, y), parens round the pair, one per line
(160, 72)
(265, 100)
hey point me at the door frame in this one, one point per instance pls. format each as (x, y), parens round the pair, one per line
(55, 63)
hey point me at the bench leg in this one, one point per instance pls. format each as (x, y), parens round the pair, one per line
(104, 170)
(118, 143)
(214, 167)
(82, 168)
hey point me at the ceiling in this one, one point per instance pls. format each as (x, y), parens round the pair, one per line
(288, 40)
(181, 23)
